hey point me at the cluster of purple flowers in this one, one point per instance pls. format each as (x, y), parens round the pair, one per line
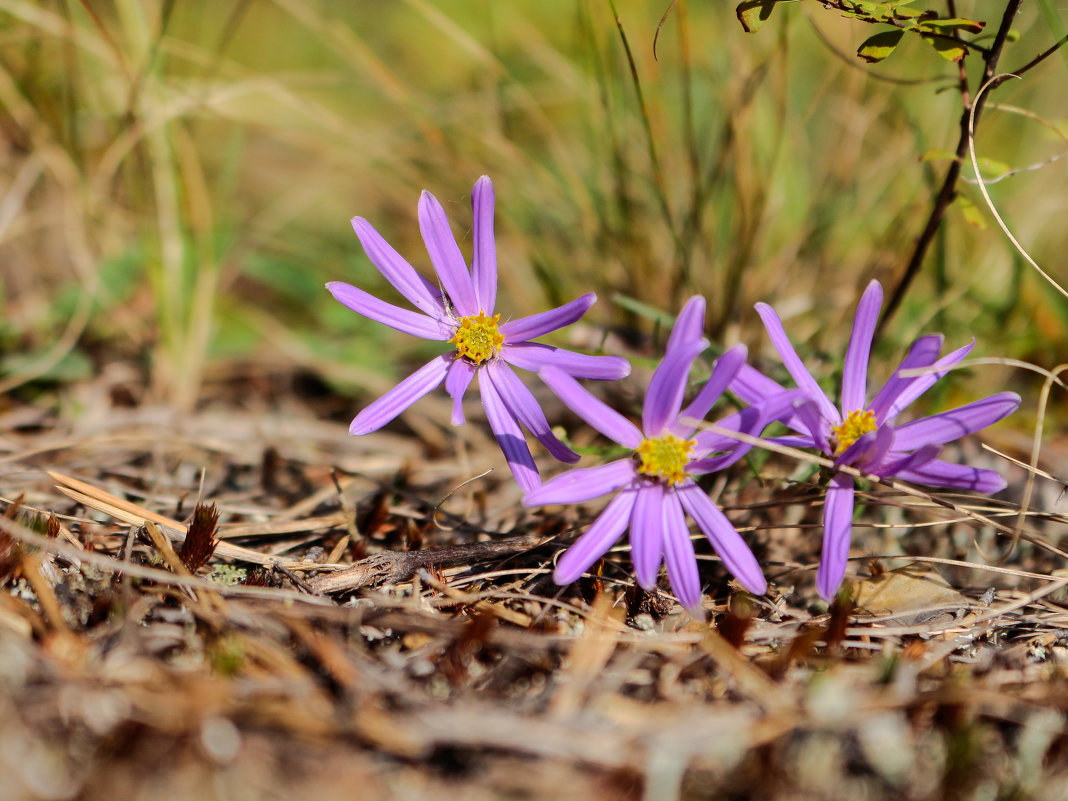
(655, 487)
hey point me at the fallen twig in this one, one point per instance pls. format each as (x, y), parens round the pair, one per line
(390, 567)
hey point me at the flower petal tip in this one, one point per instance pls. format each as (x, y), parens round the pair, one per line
(754, 586)
(827, 586)
(648, 586)
(996, 485)
(874, 286)
(358, 429)
(564, 577)
(697, 612)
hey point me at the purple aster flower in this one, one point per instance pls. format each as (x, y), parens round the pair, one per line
(862, 431)
(655, 485)
(461, 311)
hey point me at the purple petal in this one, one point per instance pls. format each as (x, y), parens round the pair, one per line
(747, 421)
(937, 473)
(689, 325)
(457, 381)
(922, 353)
(701, 467)
(730, 546)
(593, 411)
(956, 423)
(817, 427)
(855, 368)
(663, 398)
(797, 442)
(779, 405)
(407, 392)
(369, 306)
(583, 484)
(679, 557)
(647, 534)
(802, 377)
(910, 461)
(868, 450)
(484, 253)
(420, 292)
(525, 409)
(600, 536)
(837, 533)
(922, 383)
(445, 255)
(753, 386)
(724, 371)
(509, 436)
(533, 356)
(536, 325)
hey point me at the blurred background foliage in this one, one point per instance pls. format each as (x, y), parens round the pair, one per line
(177, 177)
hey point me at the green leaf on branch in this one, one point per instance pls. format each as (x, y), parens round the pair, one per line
(946, 25)
(754, 13)
(971, 213)
(936, 154)
(910, 14)
(876, 48)
(947, 48)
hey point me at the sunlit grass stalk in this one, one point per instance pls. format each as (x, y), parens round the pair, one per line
(650, 139)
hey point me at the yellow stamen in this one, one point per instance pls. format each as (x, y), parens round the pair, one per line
(665, 457)
(855, 426)
(478, 337)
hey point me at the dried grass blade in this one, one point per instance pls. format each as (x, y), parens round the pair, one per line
(134, 515)
(165, 549)
(751, 680)
(281, 527)
(139, 513)
(46, 596)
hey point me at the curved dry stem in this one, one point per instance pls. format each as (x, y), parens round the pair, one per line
(982, 183)
(913, 372)
(1052, 127)
(436, 512)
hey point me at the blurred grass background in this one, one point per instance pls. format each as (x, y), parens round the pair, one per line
(177, 177)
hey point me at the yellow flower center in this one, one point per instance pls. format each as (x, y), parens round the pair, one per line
(478, 337)
(855, 426)
(665, 457)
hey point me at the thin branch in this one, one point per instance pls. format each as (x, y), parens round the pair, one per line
(1040, 57)
(948, 190)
